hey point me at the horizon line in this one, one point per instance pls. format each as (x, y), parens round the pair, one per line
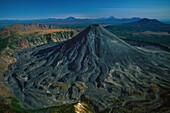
(79, 18)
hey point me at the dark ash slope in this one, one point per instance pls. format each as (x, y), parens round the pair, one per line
(95, 65)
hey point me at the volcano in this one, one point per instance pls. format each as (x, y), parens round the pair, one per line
(95, 65)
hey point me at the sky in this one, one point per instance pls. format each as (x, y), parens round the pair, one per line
(36, 9)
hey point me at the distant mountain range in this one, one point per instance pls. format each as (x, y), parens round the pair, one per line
(72, 21)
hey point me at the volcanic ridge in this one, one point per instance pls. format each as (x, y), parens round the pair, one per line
(95, 65)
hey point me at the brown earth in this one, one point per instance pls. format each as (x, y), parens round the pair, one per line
(46, 31)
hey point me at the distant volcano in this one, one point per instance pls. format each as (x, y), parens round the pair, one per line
(95, 65)
(145, 21)
(147, 25)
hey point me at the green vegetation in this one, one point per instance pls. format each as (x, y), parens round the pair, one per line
(14, 39)
(14, 34)
(138, 32)
(117, 110)
(12, 105)
(162, 40)
(3, 43)
(15, 104)
(13, 43)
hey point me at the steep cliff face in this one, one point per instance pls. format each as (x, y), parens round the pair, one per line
(19, 36)
(94, 65)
